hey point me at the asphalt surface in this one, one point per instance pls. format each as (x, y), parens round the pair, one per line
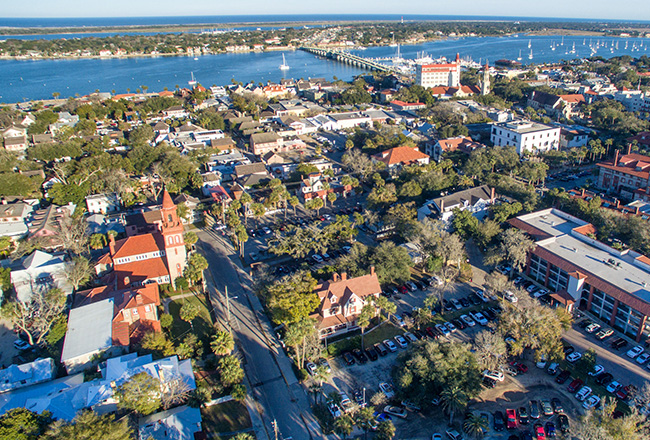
(272, 384)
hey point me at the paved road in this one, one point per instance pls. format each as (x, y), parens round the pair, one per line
(274, 386)
(624, 369)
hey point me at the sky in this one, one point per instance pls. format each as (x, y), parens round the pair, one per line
(604, 9)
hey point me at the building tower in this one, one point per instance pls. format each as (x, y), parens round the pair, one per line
(485, 83)
(172, 232)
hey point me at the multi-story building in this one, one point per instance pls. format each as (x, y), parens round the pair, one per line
(341, 301)
(398, 157)
(461, 143)
(103, 203)
(442, 74)
(476, 200)
(625, 175)
(611, 284)
(526, 136)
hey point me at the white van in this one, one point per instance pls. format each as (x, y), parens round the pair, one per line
(510, 296)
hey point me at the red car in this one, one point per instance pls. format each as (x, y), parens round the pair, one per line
(575, 385)
(539, 432)
(623, 393)
(522, 368)
(404, 290)
(511, 419)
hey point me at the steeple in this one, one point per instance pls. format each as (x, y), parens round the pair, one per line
(167, 200)
(168, 212)
(485, 82)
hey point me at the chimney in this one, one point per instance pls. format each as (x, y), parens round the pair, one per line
(372, 270)
(138, 299)
(127, 281)
(629, 148)
(582, 193)
(111, 244)
(618, 203)
(442, 206)
(637, 210)
(344, 276)
(492, 194)
(616, 158)
(335, 277)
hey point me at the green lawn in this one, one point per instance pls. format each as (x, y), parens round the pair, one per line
(202, 323)
(385, 330)
(226, 417)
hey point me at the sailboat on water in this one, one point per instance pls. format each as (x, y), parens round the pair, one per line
(284, 65)
(562, 43)
(530, 55)
(519, 57)
(528, 44)
(192, 82)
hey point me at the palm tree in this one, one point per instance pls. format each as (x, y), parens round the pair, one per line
(343, 426)
(222, 343)
(365, 418)
(454, 400)
(363, 321)
(475, 426)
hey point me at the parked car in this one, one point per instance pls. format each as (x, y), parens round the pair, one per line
(390, 345)
(478, 317)
(563, 376)
(642, 358)
(534, 409)
(21, 345)
(498, 421)
(450, 326)
(317, 258)
(493, 374)
(456, 303)
(591, 402)
(398, 320)
(411, 406)
(467, 320)
(371, 353)
(489, 382)
(359, 356)
(381, 349)
(522, 413)
(326, 365)
(604, 378)
(619, 343)
(387, 389)
(557, 405)
(563, 423)
(575, 385)
(346, 403)
(411, 286)
(396, 411)
(443, 329)
(334, 409)
(311, 368)
(552, 369)
(613, 387)
(511, 419)
(604, 333)
(453, 434)
(550, 429)
(592, 328)
(573, 357)
(546, 407)
(583, 393)
(634, 352)
(624, 392)
(401, 342)
(539, 432)
(348, 358)
(597, 370)
(410, 337)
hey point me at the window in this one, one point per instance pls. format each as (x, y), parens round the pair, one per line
(147, 308)
(169, 218)
(135, 312)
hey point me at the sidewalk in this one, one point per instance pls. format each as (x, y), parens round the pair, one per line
(165, 301)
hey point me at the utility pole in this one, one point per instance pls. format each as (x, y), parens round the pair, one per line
(228, 311)
(274, 424)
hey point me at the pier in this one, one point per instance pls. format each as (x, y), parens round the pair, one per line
(348, 58)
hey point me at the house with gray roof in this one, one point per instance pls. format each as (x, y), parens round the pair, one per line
(180, 423)
(476, 200)
(39, 272)
(24, 375)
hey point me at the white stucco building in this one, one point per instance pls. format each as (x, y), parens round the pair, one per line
(526, 136)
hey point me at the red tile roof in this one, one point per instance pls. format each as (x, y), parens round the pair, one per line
(138, 244)
(463, 143)
(140, 271)
(400, 155)
(574, 98)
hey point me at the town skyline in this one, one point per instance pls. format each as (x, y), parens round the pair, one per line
(597, 10)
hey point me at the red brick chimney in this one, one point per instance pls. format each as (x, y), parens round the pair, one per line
(138, 299)
(372, 270)
(111, 244)
(344, 276)
(637, 210)
(618, 203)
(616, 158)
(629, 148)
(582, 193)
(335, 277)
(492, 195)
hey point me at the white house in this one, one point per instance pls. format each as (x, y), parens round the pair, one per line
(180, 423)
(24, 375)
(476, 200)
(40, 272)
(526, 136)
(103, 203)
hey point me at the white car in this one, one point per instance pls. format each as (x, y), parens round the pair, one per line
(540, 293)
(573, 357)
(396, 411)
(443, 329)
(334, 409)
(467, 320)
(456, 303)
(492, 374)
(410, 337)
(451, 327)
(591, 402)
(346, 403)
(643, 358)
(478, 317)
(510, 296)
(592, 328)
(401, 341)
(311, 368)
(387, 389)
(390, 345)
(597, 370)
(635, 351)
(317, 258)
(613, 387)
(584, 392)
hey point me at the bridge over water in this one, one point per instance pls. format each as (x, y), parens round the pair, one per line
(348, 58)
